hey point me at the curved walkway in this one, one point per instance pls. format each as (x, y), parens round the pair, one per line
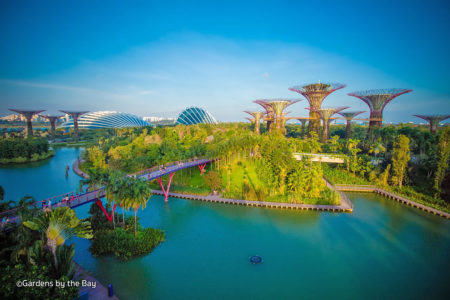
(375, 189)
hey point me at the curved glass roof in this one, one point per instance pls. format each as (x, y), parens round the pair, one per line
(195, 115)
(107, 119)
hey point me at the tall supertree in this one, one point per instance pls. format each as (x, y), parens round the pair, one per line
(277, 107)
(434, 120)
(75, 115)
(303, 120)
(349, 115)
(52, 120)
(257, 115)
(28, 114)
(269, 117)
(325, 115)
(377, 101)
(315, 93)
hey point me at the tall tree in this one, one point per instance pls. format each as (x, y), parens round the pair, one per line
(400, 159)
(443, 157)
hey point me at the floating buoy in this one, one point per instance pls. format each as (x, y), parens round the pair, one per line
(256, 259)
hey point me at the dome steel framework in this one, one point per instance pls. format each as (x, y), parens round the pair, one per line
(195, 115)
(107, 119)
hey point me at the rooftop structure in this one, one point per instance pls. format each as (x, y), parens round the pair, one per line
(75, 115)
(106, 119)
(433, 120)
(52, 120)
(315, 93)
(195, 115)
(28, 114)
(326, 114)
(276, 108)
(257, 115)
(377, 101)
(349, 115)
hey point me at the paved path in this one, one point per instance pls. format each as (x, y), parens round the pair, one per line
(375, 189)
(100, 292)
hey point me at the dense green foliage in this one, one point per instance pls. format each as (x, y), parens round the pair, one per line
(38, 255)
(257, 167)
(121, 242)
(23, 150)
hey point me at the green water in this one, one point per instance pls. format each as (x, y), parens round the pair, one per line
(382, 250)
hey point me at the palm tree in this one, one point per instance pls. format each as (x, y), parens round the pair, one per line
(139, 193)
(57, 226)
(95, 179)
(113, 182)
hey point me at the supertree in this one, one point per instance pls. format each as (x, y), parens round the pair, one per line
(325, 115)
(315, 93)
(377, 101)
(434, 120)
(257, 115)
(52, 120)
(28, 114)
(349, 115)
(75, 115)
(277, 107)
(269, 117)
(303, 120)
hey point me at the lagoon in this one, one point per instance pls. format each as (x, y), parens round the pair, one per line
(382, 250)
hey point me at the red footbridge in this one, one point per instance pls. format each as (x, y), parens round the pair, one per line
(73, 200)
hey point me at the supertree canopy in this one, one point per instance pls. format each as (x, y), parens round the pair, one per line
(315, 93)
(257, 115)
(75, 115)
(434, 120)
(52, 120)
(349, 115)
(28, 114)
(276, 107)
(326, 113)
(377, 101)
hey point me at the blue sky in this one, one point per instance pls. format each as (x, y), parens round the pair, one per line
(155, 58)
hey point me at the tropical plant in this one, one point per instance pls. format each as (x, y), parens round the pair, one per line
(400, 159)
(58, 225)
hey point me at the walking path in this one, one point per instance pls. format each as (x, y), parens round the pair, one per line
(346, 205)
(100, 292)
(374, 189)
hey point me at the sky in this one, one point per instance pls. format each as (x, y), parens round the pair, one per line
(154, 58)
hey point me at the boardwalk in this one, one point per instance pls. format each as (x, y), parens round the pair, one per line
(346, 205)
(374, 189)
(100, 292)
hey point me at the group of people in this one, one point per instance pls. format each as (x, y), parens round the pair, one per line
(65, 200)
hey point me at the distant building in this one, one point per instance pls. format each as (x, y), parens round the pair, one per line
(160, 120)
(107, 119)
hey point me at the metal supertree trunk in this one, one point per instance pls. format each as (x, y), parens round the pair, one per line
(315, 93)
(349, 115)
(28, 114)
(276, 108)
(326, 114)
(303, 121)
(75, 115)
(257, 115)
(52, 120)
(433, 120)
(377, 101)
